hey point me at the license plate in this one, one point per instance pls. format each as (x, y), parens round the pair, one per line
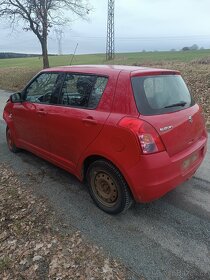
(189, 161)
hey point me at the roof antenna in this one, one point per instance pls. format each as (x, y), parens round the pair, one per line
(74, 54)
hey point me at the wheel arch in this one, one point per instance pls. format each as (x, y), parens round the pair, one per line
(92, 158)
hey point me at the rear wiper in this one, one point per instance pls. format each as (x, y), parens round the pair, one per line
(181, 104)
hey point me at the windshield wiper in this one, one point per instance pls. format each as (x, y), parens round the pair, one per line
(180, 104)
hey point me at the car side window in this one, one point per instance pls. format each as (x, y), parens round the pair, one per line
(42, 89)
(83, 90)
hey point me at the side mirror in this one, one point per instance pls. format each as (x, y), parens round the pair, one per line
(16, 98)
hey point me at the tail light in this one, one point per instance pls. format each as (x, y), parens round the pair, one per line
(148, 137)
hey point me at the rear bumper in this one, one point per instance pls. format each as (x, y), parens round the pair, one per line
(155, 175)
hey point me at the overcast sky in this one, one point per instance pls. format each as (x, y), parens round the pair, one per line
(139, 25)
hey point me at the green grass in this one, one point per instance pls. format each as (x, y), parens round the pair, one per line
(5, 264)
(16, 72)
(123, 58)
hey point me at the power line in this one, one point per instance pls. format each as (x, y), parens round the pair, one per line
(148, 38)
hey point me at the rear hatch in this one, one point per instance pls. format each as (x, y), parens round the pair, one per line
(165, 102)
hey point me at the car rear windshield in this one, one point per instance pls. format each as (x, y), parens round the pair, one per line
(161, 94)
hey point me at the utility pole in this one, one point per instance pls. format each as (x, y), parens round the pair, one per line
(59, 36)
(110, 47)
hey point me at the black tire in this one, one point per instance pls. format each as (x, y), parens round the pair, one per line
(108, 188)
(10, 141)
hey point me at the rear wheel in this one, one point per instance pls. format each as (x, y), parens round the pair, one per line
(10, 141)
(108, 188)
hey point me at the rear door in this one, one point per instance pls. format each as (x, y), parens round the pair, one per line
(165, 102)
(85, 105)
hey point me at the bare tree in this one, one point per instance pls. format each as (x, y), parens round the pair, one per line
(40, 16)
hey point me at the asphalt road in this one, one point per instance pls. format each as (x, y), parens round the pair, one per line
(166, 239)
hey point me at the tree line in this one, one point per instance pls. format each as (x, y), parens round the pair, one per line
(15, 55)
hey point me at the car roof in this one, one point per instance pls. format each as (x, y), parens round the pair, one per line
(110, 69)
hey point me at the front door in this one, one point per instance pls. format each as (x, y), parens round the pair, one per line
(30, 116)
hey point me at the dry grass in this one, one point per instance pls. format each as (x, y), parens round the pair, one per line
(15, 78)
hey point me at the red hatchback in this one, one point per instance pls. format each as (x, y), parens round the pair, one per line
(131, 133)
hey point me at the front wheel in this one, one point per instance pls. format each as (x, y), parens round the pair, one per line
(108, 188)
(10, 141)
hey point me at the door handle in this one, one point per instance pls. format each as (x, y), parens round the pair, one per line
(89, 120)
(42, 112)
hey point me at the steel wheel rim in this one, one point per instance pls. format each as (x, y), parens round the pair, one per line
(105, 188)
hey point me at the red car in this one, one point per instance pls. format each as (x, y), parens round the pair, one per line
(131, 133)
